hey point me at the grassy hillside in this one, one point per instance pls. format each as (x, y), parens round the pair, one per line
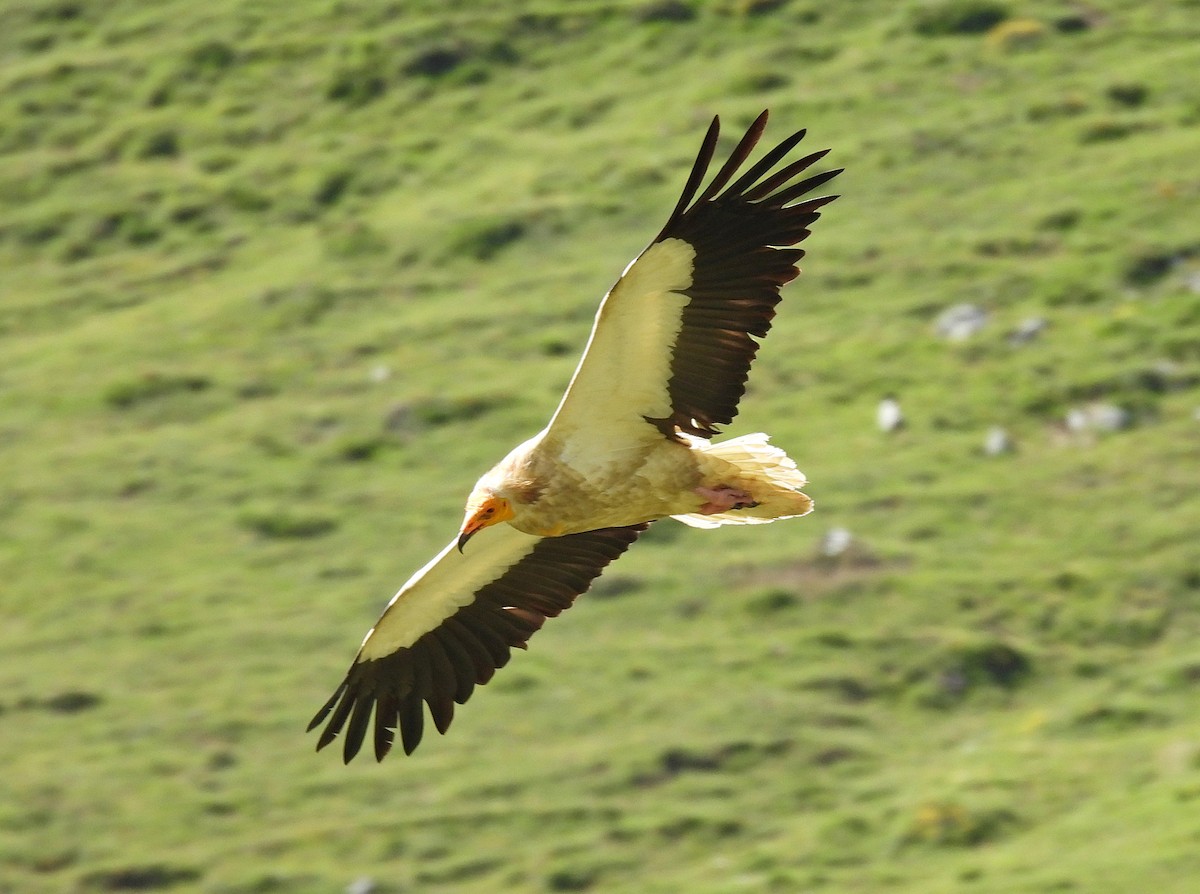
(278, 281)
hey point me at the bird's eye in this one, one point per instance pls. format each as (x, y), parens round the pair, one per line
(489, 511)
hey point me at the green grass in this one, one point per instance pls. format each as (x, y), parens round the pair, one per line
(279, 281)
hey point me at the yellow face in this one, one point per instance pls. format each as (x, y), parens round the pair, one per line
(482, 510)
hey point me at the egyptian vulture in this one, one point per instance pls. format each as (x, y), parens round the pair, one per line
(666, 363)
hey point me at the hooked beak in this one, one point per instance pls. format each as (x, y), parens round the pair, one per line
(489, 512)
(466, 534)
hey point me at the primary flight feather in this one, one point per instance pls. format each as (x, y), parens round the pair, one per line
(666, 363)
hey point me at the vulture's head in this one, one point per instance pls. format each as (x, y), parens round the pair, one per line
(486, 506)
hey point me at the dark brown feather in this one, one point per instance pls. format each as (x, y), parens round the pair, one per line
(412, 725)
(464, 665)
(387, 708)
(444, 665)
(742, 237)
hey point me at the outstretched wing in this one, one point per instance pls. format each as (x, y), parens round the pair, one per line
(453, 624)
(673, 340)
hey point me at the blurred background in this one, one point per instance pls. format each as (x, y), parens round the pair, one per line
(279, 280)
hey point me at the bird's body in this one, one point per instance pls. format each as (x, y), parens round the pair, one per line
(549, 497)
(694, 480)
(666, 363)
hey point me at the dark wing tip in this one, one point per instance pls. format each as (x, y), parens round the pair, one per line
(743, 234)
(323, 713)
(708, 147)
(445, 664)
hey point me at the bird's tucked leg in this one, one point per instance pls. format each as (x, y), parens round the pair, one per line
(723, 498)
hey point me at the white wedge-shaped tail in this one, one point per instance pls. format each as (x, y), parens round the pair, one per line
(766, 472)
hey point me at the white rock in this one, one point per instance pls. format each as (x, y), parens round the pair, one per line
(1110, 417)
(888, 415)
(1027, 330)
(1098, 417)
(835, 542)
(960, 322)
(997, 442)
(1077, 420)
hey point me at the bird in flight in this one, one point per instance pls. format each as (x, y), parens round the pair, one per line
(666, 363)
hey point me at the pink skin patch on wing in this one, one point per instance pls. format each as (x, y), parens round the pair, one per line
(723, 499)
